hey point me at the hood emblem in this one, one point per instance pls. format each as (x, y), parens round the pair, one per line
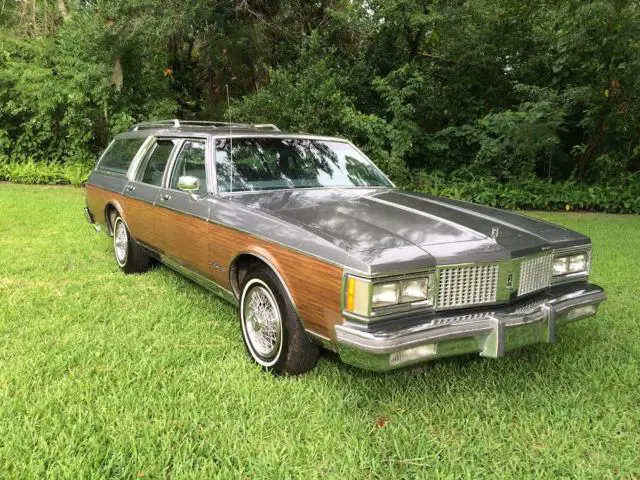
(495, 231)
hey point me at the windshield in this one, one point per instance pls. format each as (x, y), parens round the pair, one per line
(279, 163)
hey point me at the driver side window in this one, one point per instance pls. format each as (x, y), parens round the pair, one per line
(190, 163)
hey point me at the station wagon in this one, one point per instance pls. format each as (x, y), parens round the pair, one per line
(318, 248)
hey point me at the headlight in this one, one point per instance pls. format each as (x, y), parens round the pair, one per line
(560, 266)
(414, 290)
(571, 264)
(384, 294)
(403, 291)
(361, 296)
(578, 263)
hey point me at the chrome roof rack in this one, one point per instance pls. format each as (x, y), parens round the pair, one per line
(175, 123)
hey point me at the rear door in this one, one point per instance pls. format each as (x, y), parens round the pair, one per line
(143, 191)
(182, 217)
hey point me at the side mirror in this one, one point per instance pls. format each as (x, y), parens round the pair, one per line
(189, 184)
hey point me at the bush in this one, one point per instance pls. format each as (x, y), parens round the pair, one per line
(532, 193)
(45, 173)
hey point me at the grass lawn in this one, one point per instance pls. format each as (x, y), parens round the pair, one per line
(108, 375)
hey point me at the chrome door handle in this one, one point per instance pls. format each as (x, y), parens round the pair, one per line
(165, 197)
(130, 188)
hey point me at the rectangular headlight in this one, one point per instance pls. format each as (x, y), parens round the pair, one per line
(578, 263)
(571, 264)
(560, 266)
(411, 290)
(414, 290)
(384, 294)
(361, 295)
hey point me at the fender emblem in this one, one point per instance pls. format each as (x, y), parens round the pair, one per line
(217, 266)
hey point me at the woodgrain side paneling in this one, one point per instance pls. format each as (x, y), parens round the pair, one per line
(97, 199)
(140, 218)
(138, 215)
(185, 239)
(314, 285)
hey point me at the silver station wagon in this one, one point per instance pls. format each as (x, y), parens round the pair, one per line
(318, 249)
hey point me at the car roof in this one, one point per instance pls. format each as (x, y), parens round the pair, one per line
(215, 129)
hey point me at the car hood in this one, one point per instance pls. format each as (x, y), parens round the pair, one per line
(389, 226)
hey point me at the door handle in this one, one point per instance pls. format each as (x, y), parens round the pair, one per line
(165, 197)
(130, 188)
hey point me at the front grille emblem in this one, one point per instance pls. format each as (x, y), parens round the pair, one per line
(510, 281)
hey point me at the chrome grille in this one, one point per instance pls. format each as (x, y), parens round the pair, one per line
(467, 285)
(535, 273)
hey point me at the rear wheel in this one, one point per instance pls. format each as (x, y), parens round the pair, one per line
(130, 256)
(271, 328)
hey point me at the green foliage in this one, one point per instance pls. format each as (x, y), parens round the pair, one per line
(33, 172)
(531, 193)
(509, 90)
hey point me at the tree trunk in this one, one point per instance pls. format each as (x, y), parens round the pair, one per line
(117, 78)
(64, 11)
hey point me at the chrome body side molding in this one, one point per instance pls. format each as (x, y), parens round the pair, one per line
(210, 285)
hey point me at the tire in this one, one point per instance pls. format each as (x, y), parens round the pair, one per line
(275, 339)
(130, 257)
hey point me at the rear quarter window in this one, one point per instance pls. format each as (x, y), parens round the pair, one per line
(120, 154)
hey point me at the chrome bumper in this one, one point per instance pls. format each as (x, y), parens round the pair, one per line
(489, 333)
(88, 216)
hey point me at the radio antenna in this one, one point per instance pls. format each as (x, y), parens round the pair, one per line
(230, 141)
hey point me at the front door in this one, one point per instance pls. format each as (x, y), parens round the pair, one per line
(182, 217)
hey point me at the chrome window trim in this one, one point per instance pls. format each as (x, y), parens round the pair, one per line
(171, 164)
(113, 173)
(210, 165)
(97, 166)
(372, 163)
(174, 158)
(297, 137)
(149, 147)
(134, 169)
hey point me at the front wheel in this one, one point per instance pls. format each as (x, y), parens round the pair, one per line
(271, 330)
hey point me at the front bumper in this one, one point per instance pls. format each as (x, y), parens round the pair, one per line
(490, 333)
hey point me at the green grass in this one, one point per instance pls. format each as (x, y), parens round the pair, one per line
(108, 375)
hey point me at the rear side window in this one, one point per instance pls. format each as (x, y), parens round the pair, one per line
(120, 154)
(157, 162)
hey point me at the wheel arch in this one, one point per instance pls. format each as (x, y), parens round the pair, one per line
(241, 265)
(111, 209)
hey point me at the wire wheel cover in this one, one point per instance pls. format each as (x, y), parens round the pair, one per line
(120, 242)
(262, 321)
